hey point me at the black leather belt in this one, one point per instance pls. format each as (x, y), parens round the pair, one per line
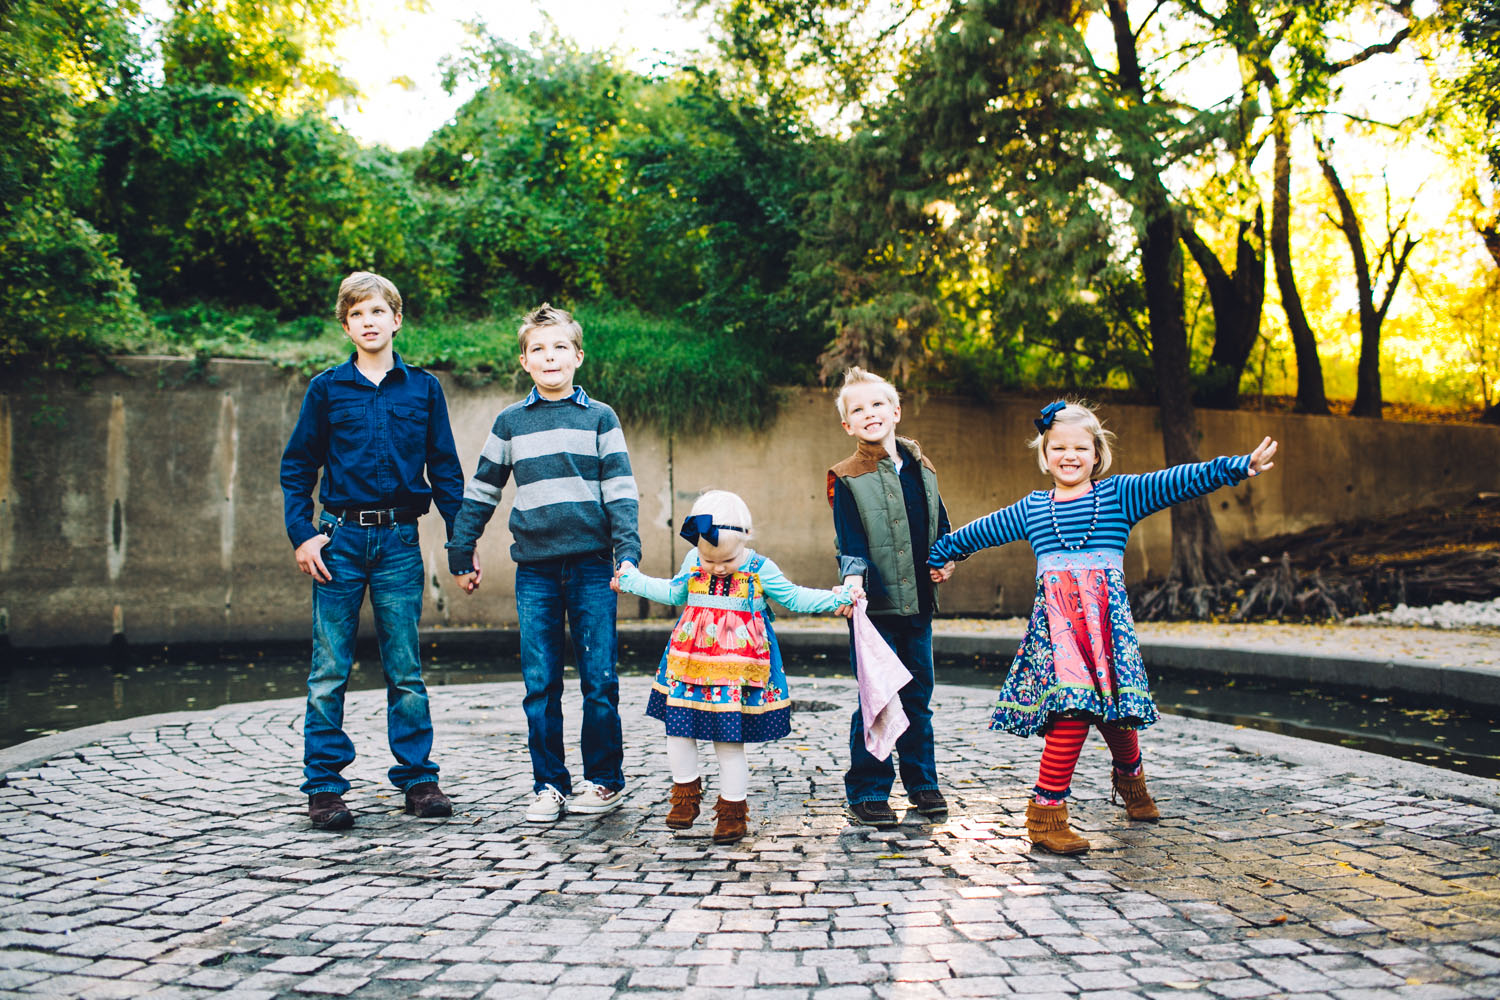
(373, 517)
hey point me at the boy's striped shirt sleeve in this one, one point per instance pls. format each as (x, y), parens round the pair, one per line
(618, 490)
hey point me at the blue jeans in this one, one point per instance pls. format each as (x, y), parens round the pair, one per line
(868, 779)
(575, 588)
(388, 562)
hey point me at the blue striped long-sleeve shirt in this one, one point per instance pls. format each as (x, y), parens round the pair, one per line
(574, 489)
(1122, 501)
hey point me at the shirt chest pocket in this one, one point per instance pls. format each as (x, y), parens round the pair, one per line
(408, 421)
(347, 416)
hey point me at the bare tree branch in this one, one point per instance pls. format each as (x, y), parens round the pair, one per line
(1383, 48)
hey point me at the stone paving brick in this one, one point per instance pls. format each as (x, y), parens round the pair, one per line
(1263, 879)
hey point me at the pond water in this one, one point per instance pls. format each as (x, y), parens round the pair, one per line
(44, 692)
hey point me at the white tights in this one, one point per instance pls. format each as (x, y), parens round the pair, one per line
(734, 768)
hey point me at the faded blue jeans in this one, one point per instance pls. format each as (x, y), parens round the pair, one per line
(575, 589)
(388, 562)
(869, 779)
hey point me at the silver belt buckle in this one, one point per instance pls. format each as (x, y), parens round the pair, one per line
(375, 516)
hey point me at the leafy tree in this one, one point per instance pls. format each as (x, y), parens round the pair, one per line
(1367, 400)
(212, 198)
(568, 176)
(276, 53)
(64, 289)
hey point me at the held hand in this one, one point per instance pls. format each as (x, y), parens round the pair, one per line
(855, 593)
(467, 582)
(941, 575)
(614, 583)
(310, 558)
(1260, 458)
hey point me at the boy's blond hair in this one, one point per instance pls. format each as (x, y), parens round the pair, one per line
(855, 375)
(725, 508)
(363, 285)
(1077, 413)
(546, 315)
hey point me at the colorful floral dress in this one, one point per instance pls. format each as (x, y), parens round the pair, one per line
(721, 676)
(1080, 657)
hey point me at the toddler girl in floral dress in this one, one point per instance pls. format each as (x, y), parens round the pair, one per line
(721, 677)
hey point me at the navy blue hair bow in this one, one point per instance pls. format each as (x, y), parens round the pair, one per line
(1044, 422)
(697, 526)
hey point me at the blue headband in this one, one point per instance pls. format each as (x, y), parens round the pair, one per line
(1044, 422)
(697, 526)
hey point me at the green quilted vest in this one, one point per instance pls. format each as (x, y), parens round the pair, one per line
(882, 512)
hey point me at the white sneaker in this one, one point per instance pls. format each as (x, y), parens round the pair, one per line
(548, 805)
(592, 798)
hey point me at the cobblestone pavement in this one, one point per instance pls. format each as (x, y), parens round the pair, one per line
(175, 860)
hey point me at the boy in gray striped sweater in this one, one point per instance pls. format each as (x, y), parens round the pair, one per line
(573, 520)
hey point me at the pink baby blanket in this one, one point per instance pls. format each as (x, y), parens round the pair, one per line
(882, 675)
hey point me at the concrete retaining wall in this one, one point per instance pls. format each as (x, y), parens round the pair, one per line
(150, 504)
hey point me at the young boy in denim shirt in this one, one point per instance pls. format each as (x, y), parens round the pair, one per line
(371, 425)
(886, 515)
(573, 521)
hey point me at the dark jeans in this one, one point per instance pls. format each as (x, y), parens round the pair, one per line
(868, 779)
(386, 561)
(575, 588)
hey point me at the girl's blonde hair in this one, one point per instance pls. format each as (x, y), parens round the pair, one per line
(726, 509)
(1077, 413)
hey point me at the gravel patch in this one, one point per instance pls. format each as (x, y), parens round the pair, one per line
(1470, 614)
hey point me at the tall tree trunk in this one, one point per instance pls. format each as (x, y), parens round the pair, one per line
(1198, 555)
(1367, 397)
(1238, 299)
(1310, 396)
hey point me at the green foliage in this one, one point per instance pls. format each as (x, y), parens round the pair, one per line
(67, 297)
(569, 177)
(275, 53)
(66, 294)
(211, 198)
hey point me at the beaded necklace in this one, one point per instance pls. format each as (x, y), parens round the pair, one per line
(1093, 522)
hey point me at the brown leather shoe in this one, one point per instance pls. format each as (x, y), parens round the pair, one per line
(686, 799)
(929, 802)
(426, 801)
(328, 812)
(1138, 801)
(1047, 826)
(876, 814)
(733, 821)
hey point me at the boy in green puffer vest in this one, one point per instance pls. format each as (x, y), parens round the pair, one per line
(886, 515)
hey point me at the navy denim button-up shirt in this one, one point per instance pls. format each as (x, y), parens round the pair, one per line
(373, 443)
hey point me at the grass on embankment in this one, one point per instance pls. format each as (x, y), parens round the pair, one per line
(652, 370)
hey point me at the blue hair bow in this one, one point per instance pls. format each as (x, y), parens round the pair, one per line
(1044, 422)
(697, 526)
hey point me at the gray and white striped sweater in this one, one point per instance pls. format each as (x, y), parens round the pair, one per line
(574, 490)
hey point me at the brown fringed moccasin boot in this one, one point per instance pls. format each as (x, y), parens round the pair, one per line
(685, 801)
(1047, 826)
(1138, 801)
(733, 821)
